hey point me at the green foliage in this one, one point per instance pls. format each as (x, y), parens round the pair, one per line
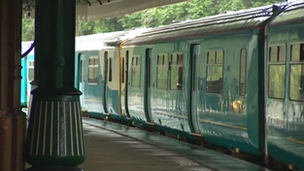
(155, 16)
(28, 29)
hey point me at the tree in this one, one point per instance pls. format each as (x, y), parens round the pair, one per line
(28, 29)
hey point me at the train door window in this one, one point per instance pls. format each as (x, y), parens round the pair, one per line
(110, 69)
(162, 71)
(296, 77)
(215, 63)
(243, 65)
(135, 69)
(277, 68)
(93, 70)
(123, 70)
(31, 71)
(276, 73)
(176, 71)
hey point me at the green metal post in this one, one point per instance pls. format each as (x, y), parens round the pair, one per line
(55, 135)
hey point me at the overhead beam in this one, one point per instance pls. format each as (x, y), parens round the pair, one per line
(97, 11)
(101, 9)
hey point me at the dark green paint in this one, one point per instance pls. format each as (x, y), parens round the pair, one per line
(284, 117)
(55, 136)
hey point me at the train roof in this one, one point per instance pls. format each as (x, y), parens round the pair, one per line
(96, 41)
(130, 35)
(105, 40)
(293, 13)
(217, 24)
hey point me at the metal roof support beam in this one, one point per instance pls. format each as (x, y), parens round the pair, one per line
(55, 136)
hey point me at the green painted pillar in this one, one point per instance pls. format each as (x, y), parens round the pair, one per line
(55, 135)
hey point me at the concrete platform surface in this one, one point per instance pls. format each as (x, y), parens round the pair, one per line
(113, 147)
(108, 151)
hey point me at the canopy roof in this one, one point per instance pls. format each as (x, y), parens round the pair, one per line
(100, 9)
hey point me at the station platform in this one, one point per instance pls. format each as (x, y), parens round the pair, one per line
(112, 147)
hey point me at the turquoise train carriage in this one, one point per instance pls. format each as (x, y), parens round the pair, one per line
(188, 78)
(284, 89)
(97, 76)
(27, 72)
(233, 80)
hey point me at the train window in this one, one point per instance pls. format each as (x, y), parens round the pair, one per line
(277, 53)
(123, 70)
(110, 69)
(176, 72)
(243, 65)
(135, 69)
(162, 71)
(31, 71)
(93, 70)
(277, 68)
(297, 52)
(297, 72)
(215, 71)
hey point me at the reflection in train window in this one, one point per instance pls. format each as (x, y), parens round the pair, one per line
(276, 71)
(243, 65)
(215, 71)
(162, 71)
(276, 80)
(176, 72)
(296, 88)
(135, 72)
(93, 70)
(31, 71)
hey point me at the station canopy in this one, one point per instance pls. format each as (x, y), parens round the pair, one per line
(101, 9)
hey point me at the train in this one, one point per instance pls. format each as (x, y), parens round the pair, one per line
(27, 72)
(234, 80)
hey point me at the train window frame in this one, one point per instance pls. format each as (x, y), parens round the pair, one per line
(179, 64)
(161, 65)
(31, 66)
(95, 66)
(110, 67)
(135, 66)
(295, 63)
(243, 72)
(277, 62)
(215, 64)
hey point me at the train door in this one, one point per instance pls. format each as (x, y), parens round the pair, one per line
(81, 75)
(147, 88)
(126, 83)
(194, 53)
(105, 79)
